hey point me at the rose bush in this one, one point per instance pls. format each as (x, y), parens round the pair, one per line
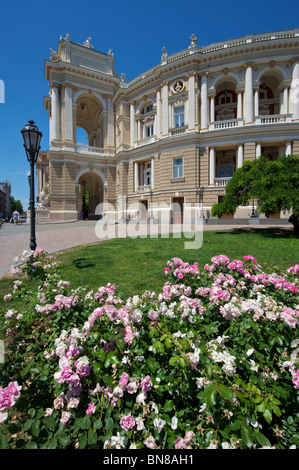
(211, 361)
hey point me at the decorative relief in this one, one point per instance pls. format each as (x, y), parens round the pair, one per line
(178, 86)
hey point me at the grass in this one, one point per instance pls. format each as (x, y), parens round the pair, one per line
(135, 265)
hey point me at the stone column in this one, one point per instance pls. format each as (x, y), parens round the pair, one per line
(294, 95)
(158, 115)
(286, 100)
(212, 109)
(54, 112)
(212, 171)
(204, 110)
(68, 118)
(136, 176)
(248, 94)
(110, 123)
(258, 150)
(191, 101)
(132, 122)
(152, 173)
(139, 130)
(240, 156)
(289, 148)
(239, 105)
(165, 111)
(256, 102)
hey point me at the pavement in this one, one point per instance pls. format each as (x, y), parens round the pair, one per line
(14, 239)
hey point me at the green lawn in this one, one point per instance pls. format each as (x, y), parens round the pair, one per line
(135, 265)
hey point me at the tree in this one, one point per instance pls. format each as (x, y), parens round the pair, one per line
(15, 204)
(275, 184)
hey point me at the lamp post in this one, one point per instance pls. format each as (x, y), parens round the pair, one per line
(32, 137)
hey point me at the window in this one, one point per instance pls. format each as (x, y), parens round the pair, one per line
(147, 108)
(225, 172)
(149, 130)
(178, 168)
(147, 174)
(179, 116)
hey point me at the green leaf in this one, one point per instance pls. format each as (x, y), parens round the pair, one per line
(109, 424)
(225, 392)
(3, 441)
(97, 424)
(86, 423)
(262, 440)
(210, 395)
(35, 428)
(64, 440)
(31, 445)
(49, 422)
(267, 415)
(169, 405)
(246, 435)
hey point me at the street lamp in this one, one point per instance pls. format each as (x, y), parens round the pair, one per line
(32, 137)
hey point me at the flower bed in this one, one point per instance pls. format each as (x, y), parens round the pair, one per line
(210, 362)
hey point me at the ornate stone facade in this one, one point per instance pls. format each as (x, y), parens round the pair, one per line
(174, 134)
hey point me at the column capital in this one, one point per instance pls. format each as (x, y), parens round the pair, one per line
(191, 74)
(248, 64)
(164, 83)
(132, 103)
(204, 74)
(294, 60)
(54, 85)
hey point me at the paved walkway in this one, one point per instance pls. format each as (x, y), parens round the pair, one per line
(56, 237)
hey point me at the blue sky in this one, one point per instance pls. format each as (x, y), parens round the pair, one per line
(135, 30)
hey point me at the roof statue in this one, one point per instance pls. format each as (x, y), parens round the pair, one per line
(87, 43)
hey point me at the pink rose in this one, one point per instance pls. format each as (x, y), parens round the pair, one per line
(146, 384)
(91, 408)
(123, 380)
(296, 380)
(65, 416)
(129, 335)
(127, 422)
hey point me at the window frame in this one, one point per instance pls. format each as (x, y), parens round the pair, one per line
(178, 168)
(179, 116)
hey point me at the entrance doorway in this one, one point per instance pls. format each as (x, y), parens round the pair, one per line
(178, 210)
(143, 208)
(91, 196)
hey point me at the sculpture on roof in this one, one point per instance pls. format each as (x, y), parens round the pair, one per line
(164, 55)
(193, 42)
(87, 43)
(54, 56)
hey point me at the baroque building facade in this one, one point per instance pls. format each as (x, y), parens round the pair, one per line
(172, 137)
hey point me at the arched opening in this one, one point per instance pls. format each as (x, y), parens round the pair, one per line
(269, 95)
(226, 100)
(90, 196)
(89, 118)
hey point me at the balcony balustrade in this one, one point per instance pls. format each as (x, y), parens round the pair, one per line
(222, 181)
(273, 119)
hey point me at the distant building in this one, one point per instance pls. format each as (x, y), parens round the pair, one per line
(5, 192)
(174, 134)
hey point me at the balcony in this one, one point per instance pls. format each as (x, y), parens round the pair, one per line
(222, 181)
(178, 130)
(145, 141)
(145, 188)
(226, 124)
(273, 119)
(93, 150)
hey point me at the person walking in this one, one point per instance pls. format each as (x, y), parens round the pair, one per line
(15, 216)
